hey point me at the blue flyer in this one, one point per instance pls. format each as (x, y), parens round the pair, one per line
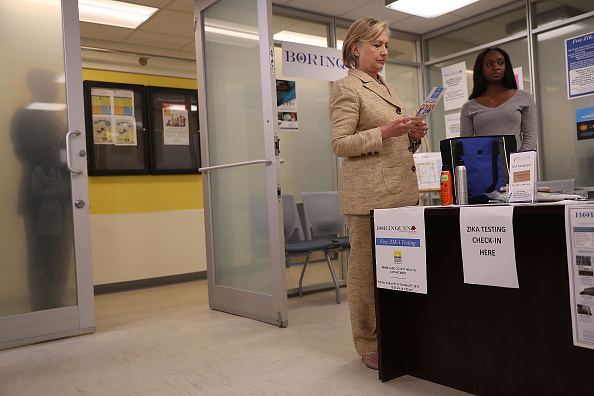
(585, 123)
(580, 65)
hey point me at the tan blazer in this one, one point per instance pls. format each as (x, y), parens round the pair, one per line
(375, 174)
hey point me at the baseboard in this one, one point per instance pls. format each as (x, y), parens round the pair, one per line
(146, 283)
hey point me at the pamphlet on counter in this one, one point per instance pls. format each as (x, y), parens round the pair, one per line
(522, 180)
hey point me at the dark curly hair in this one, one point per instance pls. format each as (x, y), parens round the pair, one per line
(480, 84)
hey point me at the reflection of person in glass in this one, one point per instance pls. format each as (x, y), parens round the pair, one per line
(44, 191)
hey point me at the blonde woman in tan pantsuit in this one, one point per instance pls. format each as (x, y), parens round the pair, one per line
(376, 139)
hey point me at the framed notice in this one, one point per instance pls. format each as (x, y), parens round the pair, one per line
(173, 127)
(116, 123)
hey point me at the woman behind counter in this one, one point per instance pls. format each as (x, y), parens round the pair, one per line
(371, 131)
(496, 106)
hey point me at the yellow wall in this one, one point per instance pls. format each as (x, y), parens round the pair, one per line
(146, 193)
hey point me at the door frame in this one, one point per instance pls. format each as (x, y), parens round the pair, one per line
(267, 308)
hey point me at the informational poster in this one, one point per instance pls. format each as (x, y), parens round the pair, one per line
(487, 241)
(585, 123)
(102, 129)
(123, 102)
(452, 125)
(125, 131)
(101, 101)
(454, 80)
(400, 249)
(579, 231)
(428, 170)
(286, 105)
(579, 64)
(519, 75)
(522, 177)
(113, 116)
(176, 131)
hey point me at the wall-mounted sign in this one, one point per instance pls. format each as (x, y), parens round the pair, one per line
(579, 63)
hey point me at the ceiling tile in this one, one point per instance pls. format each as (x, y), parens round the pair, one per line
(158, 40)
(331, 7)
(170, 22)
(182, 5)
(482, 6)
(111, 33)
(150, 3)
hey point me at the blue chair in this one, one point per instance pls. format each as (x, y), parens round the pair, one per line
(292, 224)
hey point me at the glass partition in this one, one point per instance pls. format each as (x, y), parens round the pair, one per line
(563, 156)
(400, 49)
(548, 11)
(518, 53)
(296, 30)
(478, 34)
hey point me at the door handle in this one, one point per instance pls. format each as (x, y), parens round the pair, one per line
(68, 160)
(236, 164)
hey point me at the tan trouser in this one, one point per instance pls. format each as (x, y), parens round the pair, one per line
(360, 285)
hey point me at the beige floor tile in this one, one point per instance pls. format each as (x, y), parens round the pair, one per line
(166, 341)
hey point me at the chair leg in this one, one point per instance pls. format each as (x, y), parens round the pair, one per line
(303, 273)
(333, 277)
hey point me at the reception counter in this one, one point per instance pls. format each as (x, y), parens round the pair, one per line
(488, 340)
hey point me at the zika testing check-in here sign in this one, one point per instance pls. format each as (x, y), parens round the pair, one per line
(400, 249)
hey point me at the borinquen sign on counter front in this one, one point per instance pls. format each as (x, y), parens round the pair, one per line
(400, 249)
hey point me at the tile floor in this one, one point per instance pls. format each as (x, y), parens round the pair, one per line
(166, 341)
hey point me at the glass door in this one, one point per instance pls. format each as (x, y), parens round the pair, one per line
(245, 246)
(46, 286)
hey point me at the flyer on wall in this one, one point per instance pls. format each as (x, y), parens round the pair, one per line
(455, 81)
(101, 101)
(286, 105)
(123, 102)
(102, 129)
(125, 131)
(176, 131)
(579, 64)
(579, 231)
(400, 260)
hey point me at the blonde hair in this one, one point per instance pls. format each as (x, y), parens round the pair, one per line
(361, 31)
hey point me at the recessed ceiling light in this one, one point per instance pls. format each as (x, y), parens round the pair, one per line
(427, 8)
(114, 13)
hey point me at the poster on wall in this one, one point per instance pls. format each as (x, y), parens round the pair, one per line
(286, 105)
(123, 102)
(579, 233)
(102, 129)
(400, 249)
(175, 124)
(452, 125)
(125, 131)
(585, 123)
(579, 63)
(519, 76)
(454, 80)
(101, 101)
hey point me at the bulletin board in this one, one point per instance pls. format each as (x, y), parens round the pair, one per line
(116, 124)
(174, 130)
